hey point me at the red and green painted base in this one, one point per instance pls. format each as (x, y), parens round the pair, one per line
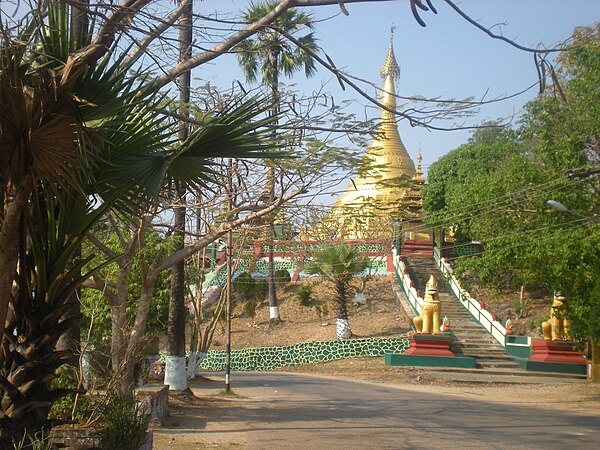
(554, 357)
(556, 352)
(402, 359)
(429, 350)
(429, 344)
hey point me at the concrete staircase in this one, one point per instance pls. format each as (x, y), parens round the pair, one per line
(471, 338)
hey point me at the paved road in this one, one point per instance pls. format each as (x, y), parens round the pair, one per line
(307, 412)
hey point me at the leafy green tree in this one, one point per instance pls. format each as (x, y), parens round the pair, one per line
(97, 305)
(338, 264)
(75, 144)
(497, 192)
(270, 53)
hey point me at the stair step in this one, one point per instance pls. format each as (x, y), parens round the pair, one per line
(498, 365)
(471, 338)
(508, 372)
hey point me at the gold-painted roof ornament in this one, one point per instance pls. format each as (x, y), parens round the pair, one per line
(418, 177)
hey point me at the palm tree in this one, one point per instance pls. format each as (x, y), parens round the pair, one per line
(338, 264)
(270, 53)
(69, 152)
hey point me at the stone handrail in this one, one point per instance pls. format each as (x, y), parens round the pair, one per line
(481, 315)
(406, 284)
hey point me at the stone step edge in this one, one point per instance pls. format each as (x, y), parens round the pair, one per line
(498, 371)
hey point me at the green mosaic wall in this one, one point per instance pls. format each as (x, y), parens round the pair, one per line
(219, 278)
(270, 358)
(263, 266)
(465, 250)
(372, 248)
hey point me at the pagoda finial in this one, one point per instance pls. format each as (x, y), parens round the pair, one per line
(419, 172)
(390, 66)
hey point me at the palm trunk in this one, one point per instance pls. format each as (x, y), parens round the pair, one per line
(71, 339)
(175, 375)
(9, 243)
(343, 330)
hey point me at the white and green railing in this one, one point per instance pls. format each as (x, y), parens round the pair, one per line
(471, 304)
(406, 284)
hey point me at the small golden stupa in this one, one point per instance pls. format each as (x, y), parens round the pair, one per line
(377, 197)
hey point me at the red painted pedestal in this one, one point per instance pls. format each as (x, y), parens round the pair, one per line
(556, 351)
(429, 344)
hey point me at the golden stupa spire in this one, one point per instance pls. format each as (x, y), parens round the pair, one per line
(390, 66)
(390, 72)
(381, 186)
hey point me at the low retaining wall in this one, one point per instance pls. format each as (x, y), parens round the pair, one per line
(271, 358)
(154, 400)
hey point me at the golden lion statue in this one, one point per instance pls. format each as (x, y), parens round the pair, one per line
(429, 320)
(557, 327)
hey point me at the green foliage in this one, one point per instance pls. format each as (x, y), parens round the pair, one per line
(338, 264)
(125, 424)
(322, 311)
(282, 276)
(39, 441)
(244, 286)
(250, 308)
(304, 294)
(451, 177)
(261, 288)
(269, 53)
(66, 408)
(95, 308)
(495, 189)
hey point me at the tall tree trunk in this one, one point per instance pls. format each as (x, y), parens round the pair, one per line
(175, 375)
(175, 368)
(272, 291)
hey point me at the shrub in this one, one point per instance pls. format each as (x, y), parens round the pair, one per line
(282, 276)
(66, 408)
(39, 441)
(244, 286)
(250, 308)
(260, 289)
(304, 295)
(125, 424)
(322, 311)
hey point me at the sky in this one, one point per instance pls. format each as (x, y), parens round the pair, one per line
(449, 58)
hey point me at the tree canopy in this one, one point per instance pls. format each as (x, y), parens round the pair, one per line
(495, 190)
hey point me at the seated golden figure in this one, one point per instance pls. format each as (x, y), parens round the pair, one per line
(557, 327)
(429, 320)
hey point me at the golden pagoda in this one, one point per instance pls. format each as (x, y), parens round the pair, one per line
(376, 197)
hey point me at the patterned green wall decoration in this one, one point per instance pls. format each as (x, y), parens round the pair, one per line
(219, 277)
(372, 248)
(262, 267)
(270, 358)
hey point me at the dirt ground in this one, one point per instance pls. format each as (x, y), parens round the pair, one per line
(382, 316)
